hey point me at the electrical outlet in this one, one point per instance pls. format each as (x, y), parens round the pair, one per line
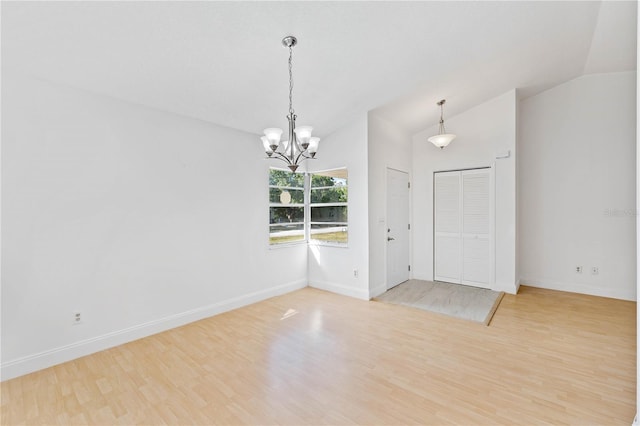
(594, 270)
(355, 273)
(77, 318)
(578, 269)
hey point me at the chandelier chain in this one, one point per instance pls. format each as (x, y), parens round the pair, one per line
(291, 111)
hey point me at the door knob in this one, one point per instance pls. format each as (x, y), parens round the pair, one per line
(390, 238)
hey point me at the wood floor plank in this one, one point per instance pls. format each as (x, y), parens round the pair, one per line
(312, 357)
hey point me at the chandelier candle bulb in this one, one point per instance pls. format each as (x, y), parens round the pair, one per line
(300, 146)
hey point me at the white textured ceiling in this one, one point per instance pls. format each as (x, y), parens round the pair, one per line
(223, 62)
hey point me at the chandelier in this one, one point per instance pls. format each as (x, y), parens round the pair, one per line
(300, 145)
(443, 138)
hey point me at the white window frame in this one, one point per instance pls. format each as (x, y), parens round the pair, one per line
(305, 237)
(307, 205)
(338, 204)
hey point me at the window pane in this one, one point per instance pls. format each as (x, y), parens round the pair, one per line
(329, 233)
(329, 214)
(286, 220)
(286, 233)
(286, 178)
(329, 195)
(336, 177)
(286, 214)
(278, 195)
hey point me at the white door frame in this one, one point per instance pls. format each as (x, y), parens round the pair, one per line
(386, 224)
(492, 238)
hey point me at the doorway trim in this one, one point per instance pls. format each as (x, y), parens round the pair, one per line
(386, 224)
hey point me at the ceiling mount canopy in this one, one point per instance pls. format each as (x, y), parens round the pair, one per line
(300, 145)
(443, 138)
(289, 41)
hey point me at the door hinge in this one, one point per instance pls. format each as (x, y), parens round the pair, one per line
(409, 226)
(409, 267)
(409, 185)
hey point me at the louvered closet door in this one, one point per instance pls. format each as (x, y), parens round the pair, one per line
(477, 259)
(463, 227)
(447, 227)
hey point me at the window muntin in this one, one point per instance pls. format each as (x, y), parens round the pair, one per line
(328, 218)
(286, 207)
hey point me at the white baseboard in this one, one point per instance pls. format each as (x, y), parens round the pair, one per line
(377, 291)
(344, 290)
(49, 358)
(614, 293)
(510, 288)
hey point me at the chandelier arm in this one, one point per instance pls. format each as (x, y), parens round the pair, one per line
(282, 157)
(298, 147)
(305, 156)
(301, 154)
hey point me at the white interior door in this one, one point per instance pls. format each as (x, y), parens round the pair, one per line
(447, 227)
(463, 227)
(477, 228)
(398, 227)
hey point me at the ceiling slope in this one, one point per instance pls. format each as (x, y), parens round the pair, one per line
(223, 62)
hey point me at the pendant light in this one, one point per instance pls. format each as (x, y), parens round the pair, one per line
(443, 138)
(300, 145)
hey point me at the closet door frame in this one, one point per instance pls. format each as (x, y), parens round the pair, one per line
(492, 262)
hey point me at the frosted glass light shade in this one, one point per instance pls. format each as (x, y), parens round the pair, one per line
(303, 133)
(313, 146)
(273, 134)
(442, 140)
(265, 143)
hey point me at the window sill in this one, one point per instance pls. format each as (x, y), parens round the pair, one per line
(287, 245)
(328, 244)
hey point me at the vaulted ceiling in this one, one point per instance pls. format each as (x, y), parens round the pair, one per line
(223, 62)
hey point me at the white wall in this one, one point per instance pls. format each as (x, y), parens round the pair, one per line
(482, 132)
(577, 186)
(389, 147)
(331, 268)
(135, 217)
(635, 422)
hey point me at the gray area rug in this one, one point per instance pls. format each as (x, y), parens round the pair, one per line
(456, 300)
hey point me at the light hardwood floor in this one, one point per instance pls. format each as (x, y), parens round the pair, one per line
(312, 357)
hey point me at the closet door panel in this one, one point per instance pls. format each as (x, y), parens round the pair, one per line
(447, 202)
(447, 258)
(476, 202)
(476, 261)
(447, 227)
(476, 227)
